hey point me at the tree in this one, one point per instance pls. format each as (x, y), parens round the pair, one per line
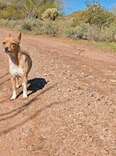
(97, 15)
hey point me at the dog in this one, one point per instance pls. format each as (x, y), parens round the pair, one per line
(20, 64)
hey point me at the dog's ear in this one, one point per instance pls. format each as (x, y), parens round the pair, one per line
(19, 37)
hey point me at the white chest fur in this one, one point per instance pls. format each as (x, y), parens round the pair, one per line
(15, 70)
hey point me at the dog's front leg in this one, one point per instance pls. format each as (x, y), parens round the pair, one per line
(13, 81)
(24, 85)
(17, 82)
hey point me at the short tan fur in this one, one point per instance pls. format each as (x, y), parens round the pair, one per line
(20, 63)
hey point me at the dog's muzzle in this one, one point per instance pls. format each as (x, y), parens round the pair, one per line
(7, 50)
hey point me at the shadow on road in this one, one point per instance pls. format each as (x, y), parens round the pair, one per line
(36, 84)
(33, 85)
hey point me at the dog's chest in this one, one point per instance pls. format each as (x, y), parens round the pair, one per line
(15, 70)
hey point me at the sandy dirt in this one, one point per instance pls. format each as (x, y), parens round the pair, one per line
(71, 107)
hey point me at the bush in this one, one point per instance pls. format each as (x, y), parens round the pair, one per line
(92, 32)
(29, 23)
(97, 15)
(26, 26)
(105, 34)
(8, 23)
(4, 22)
(109, 33)
(50, 28)
(11, 12)
(78, 32)
(40, 27)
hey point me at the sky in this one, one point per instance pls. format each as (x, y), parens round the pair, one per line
(71, 6)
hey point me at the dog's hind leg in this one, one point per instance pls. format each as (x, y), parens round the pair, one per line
(24, 85)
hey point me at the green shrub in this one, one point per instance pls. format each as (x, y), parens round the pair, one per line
(78, 32)
(40, 27)
(29, 23)
(105, 34)
(4, 22)
(11, 12)
(109, 33)
(26, 26)
(12, 23)
(50, 28)
(97, 15)
(93, 33)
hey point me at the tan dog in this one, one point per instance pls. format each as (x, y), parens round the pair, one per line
(20, 63)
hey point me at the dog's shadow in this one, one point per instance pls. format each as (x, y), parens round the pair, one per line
(36, 84)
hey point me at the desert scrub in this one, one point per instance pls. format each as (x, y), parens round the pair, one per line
(109, 33)
(21, 9)
(46, 28)
(11, 12)
(12, 23)
(8, 23)
(50, 28)
(40, 27)
(92, 32)
(28, 24)
(78, 32)
(4, 22)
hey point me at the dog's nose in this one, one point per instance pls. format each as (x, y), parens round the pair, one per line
(6, 49)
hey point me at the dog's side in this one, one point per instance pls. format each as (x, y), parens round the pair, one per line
(20, 63)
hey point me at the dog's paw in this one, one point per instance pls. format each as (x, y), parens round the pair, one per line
(13, 97)
(25, 96)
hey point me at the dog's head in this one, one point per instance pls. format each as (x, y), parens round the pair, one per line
(12, 44)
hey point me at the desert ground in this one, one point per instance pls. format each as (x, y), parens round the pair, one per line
(71, 104)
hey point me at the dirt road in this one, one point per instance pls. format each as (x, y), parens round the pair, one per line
(71, 108)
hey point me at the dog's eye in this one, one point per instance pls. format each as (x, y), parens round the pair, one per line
(4, 42)
(13, 44)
